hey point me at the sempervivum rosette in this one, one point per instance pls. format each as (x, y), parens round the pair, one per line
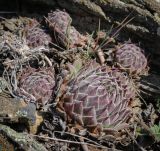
(131, 57)
(98, 95)
(36, 85)
(67, 35)
(13, 44)
(36, 36)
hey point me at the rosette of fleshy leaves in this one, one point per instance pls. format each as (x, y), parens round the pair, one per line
(131, 58)
(97, 96)
(35, 35)
(36, 85)
(60, 25)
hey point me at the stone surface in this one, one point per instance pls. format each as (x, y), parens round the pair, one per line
(25, 141)
(15, 110)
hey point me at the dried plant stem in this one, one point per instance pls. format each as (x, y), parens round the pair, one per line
(91, 141)
(99, 49)
(100, 54)
(67, 141)
(48, 61)
(116, 33)
(84, 146)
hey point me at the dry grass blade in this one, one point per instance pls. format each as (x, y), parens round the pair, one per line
(106, 41)
(120, 26)
(58, 46)
(116, 33)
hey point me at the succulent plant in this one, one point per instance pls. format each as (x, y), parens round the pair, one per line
(36, 36)
(67, 35)
(36, 85)
(98, 95)
(11, 43)
(131, 57)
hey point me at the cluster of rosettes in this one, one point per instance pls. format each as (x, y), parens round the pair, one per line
(131, 57)
(96, 94)
(99, 95)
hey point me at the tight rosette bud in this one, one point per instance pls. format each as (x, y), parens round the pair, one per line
(131, 57)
